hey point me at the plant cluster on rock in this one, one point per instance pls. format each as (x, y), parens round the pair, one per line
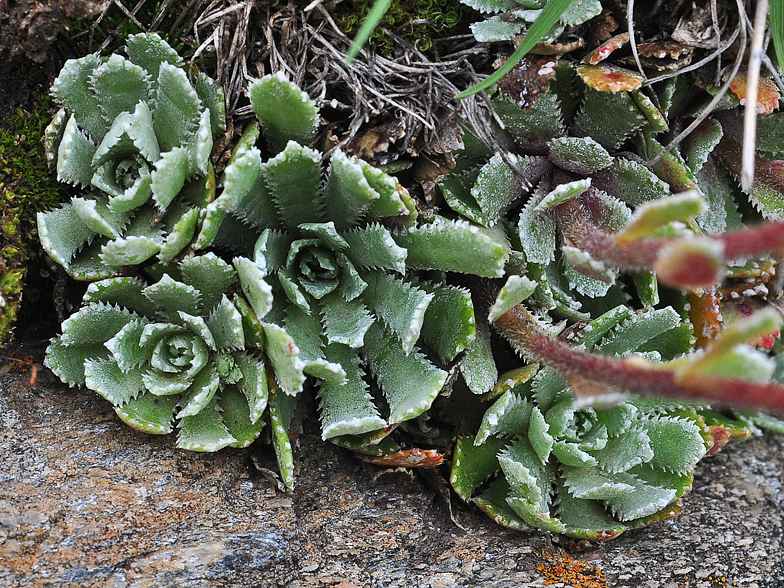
(615, 266)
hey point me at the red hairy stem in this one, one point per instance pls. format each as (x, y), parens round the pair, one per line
(581, 231)
(753, 241)
(630, 375)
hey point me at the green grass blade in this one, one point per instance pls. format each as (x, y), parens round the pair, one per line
(374, 17)
(776, 9)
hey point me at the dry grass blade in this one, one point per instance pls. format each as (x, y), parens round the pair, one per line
(716, 99)
(750, 114)
(411, 87)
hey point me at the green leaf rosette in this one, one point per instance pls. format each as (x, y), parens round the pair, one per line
(136, 134)
(175, 352)
(338, 241)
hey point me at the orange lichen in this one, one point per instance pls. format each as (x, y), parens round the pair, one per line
(24, 363)
(563, 568)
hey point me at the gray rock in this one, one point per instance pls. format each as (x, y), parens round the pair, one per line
(86, 501)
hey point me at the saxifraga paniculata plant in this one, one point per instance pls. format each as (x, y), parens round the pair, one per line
(136, 135)
(582, 211)
(176, 349)
(338, 245)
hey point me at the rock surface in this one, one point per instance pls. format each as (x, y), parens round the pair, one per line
(86, 501)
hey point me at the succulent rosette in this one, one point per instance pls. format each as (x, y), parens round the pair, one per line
(338, 245)
(592, 467)
(136, 134)
(174, 350)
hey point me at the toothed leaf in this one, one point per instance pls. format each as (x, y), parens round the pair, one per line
(237, 418)
(454, 246)
(294, 180)
(410, 382)
(149, 413)
(373, 247)
(449, 324)
(204, 431)
(509, 416)
(285, 112)
(177, 108)
(400, 305)
(347, 409)
(119, 85)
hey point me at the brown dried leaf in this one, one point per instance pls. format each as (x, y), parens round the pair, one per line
(705, 315)
(373, 145)
(529, 79)
(408, 458)
(604, 50)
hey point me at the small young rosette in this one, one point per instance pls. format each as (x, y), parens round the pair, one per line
(330, 243)
(136, 133)
(175, 350)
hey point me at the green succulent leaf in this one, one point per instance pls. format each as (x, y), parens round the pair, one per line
(537, 230)
(609, 118)
(283, 354)
(539, 435)
(225, 324)
(204, 431)
(74, 156)
(127, 349)
(174, 296)
(449, 324)
(63, 234)
(94, 323)
(348, 193)
(631, 182)
(281, 411)
(149, 52)
(624, 451)
(294, 180)
(508, 417)
(585, 518)
(372, 247)
(643, 501)
(347, 408)
(676, 443)
(473, 463)
(149, 413)
(592, 483)
(72, 89)
(345, 322)
(285, 112)
(581, 155)
(177, 108)
(478, 366)
(200, 393)
(410, 382)
(119, 85)
(168, 177)
(400, 305)
(305, 329)
(634, 333)
(255, 289)
(454, 246)
(211, 95)
(238, 419)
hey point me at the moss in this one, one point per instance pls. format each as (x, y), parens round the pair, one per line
(26, 187)
(418, 22)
